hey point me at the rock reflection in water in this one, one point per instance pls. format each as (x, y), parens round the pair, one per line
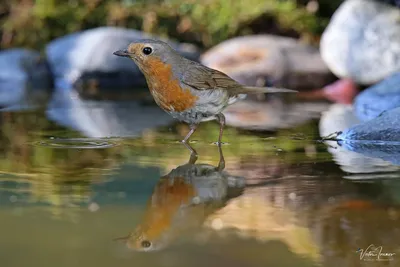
(106, 118)
(388, 151)
(181, 202)
(324, 219)
(272, 114)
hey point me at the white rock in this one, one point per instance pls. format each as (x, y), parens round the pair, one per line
(362, 41)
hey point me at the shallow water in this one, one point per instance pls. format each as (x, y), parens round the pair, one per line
(71, 195)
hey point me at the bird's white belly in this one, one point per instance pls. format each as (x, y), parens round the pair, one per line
(208, 105)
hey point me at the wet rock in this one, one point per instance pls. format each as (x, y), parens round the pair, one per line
(378, 98)
(385, 127)
(85, 60)
(23, 72)
(267, 59)
(338, 118)
(362, 41)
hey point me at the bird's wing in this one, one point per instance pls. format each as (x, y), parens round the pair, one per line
(201, 77)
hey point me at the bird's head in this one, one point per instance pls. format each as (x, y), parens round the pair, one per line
(146, 52)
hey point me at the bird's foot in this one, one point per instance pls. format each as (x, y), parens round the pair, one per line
(193, 157)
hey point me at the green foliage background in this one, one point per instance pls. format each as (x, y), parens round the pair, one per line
(33, 23)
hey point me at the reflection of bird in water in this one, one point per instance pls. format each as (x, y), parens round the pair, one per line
(181, 202)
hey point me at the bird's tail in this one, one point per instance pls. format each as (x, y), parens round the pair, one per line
(261, 90)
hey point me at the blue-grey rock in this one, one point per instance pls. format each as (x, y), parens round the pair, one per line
(86, 58)
(378, 98)
(25, 78)
(385, 127)
(338, 118)
(362, 41)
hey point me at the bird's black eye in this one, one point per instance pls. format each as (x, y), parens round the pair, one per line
(146, 244)
(147, 50)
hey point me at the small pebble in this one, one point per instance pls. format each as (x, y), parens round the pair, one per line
(121, 195)
(393, 215)
(196, 200)
(217, 224)
(13, 199)
(93, 207)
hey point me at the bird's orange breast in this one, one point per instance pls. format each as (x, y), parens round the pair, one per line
(164, 204)
(166, 89)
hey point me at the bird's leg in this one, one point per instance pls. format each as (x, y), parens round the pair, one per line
(193, 153)
(221, 164)
(193, 128)
(221, 119)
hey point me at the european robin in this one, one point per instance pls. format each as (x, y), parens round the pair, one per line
(181, 202)
(187, 90)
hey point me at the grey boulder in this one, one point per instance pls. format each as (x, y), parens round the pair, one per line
(270, 60)
(85, 59)
(362, 41)
(25, 78)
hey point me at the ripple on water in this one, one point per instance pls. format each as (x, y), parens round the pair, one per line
(78, 143)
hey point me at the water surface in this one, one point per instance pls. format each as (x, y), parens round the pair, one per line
(100, 187)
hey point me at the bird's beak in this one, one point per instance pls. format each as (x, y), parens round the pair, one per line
(122, 53)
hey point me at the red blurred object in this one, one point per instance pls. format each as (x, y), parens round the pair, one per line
(356, 204)
(342, 91)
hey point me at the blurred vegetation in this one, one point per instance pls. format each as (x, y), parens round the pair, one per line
(33, 23)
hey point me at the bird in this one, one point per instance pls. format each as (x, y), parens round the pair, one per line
(181, 202)
(187, 90)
